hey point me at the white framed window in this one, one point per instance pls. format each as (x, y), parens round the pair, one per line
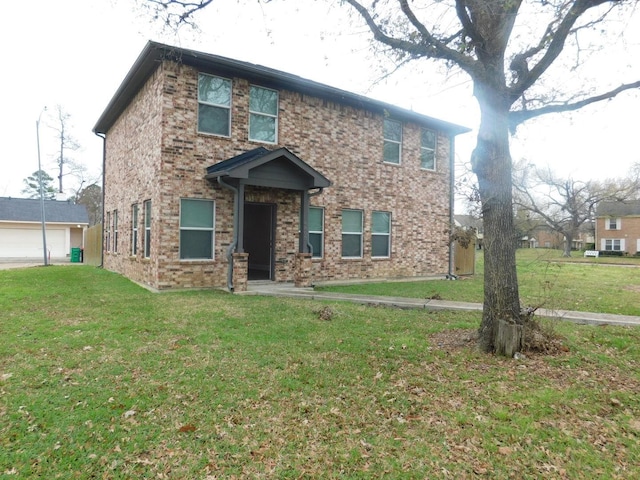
(134, 229)
(147, 228)
(612, 244)
(214, 105)
(381, 234)
(196, 228)
(316, 231)
(263, 114)
(351, 233)
(428, 149)
(613, 223)
(392, 133)
(115, 231)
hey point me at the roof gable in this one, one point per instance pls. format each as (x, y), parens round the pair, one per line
(155, 53)
(30, 210)
(278, 169)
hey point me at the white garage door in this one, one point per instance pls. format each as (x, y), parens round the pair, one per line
(27, 243)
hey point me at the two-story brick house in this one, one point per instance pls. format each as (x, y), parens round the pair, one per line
(218, 171)
(618, 226)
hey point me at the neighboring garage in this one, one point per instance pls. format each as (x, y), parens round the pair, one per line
(21, 227)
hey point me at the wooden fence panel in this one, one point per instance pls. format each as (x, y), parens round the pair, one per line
(465, 259)
(93, 245)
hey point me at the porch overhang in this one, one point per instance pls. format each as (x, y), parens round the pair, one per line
(268, 168)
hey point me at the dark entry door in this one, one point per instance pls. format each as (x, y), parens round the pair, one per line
(259, 229)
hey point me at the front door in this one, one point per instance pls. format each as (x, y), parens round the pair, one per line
(259, 229)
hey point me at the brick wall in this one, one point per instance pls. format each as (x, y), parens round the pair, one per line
(154, 152)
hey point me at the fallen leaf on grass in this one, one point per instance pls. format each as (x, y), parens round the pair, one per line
(187, 428)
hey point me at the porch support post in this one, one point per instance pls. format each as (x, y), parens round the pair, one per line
(240, 216)
(303, 239)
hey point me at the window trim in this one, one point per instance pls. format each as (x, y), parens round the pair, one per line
(429, 149)
(263, 114)
(215, 105)
(386, 140)
(212, 229)
(388, 235)
(148, 216)
(360, 233)
(318, 232)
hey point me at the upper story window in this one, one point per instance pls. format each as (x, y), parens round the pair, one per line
(263, 114)
(428, 149)
(316, 231)
(613, 224)
(214, 105)
(392, 133)
(196, 229)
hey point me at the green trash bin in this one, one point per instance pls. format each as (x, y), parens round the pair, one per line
(75, 255)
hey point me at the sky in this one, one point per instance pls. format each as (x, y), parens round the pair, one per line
(75, 53)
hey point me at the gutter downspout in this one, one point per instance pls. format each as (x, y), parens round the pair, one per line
(104, 164)
(234, 242)
(452, 184)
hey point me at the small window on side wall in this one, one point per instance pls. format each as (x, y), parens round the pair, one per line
(428, 149)
(381, 234)
(263, 115)
(214, 105)
(196, 229)
(147, 228)
(392, 132)
(316, 231)
(134, 229)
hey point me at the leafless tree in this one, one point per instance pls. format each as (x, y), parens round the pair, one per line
(67, 144)
(499, 44)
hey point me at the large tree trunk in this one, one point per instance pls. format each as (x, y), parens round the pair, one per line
(568, 240)
(501, 327)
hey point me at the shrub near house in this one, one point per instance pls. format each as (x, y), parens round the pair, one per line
(218, 171)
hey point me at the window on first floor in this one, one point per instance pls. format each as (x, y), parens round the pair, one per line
(428, 149)
(196, 228)
(316, 231)
(613, 244)
(263, 114)
(107, 234)
(134, 229)
(381, 234)
(147, 228)
(392, 133)
(115, 231)
(352, 233)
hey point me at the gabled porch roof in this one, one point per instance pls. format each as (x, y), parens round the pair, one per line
(268, 168)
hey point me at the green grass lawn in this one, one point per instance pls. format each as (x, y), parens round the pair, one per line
(546, 279)
(100, 378)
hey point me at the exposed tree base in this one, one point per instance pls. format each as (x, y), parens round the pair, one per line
(509, 338)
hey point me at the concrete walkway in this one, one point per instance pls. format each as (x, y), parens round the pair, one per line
(288, 290)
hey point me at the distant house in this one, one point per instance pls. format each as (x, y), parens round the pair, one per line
(219, 172)
(618, 226)
(21, 227)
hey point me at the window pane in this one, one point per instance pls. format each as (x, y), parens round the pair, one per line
(214, 90)
(351, 245)
(315, 239)
(147, 213)
(262, 128)
(315, 219)
(196, 214)
(196, 244)
(352, 221)
(213, 119)
(380, 246)
(427, 159)
(380, 222)
(428, 138)
(263, 100)
(392, 130)
(391, 152)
